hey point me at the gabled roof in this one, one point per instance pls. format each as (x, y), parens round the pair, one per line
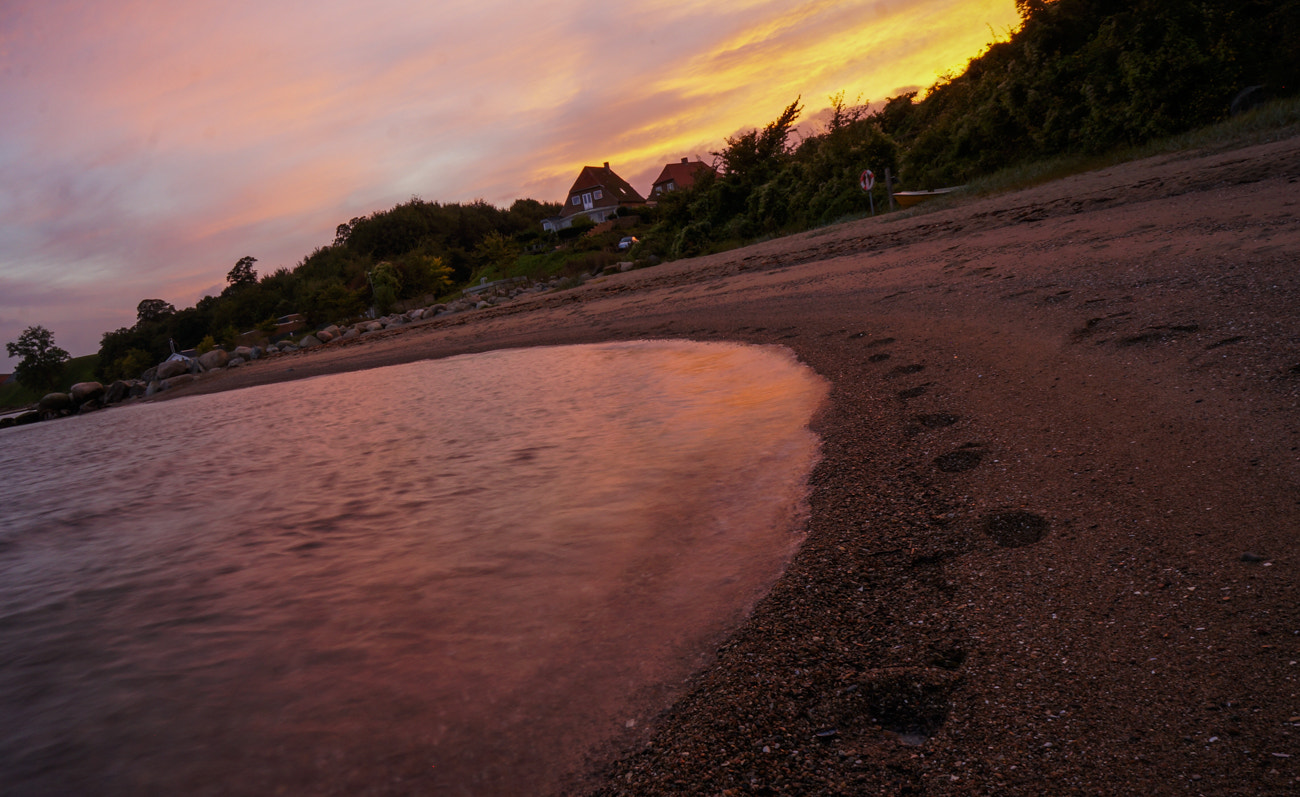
(615, 190)
(681, 175)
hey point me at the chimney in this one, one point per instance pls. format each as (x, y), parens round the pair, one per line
(685, 161)
(606, 164)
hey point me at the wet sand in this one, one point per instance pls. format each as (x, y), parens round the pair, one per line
(1053, 544)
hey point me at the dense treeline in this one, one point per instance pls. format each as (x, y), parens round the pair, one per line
(1078, 76)
(415, 249)
(1085, 76)
(768, 185)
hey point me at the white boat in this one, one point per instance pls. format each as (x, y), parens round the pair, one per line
(907, 199)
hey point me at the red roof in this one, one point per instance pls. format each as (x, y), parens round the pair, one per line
(679, 175)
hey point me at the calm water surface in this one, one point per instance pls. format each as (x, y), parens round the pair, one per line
(448, 577)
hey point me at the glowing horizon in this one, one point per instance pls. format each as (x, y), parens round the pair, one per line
(148, 145)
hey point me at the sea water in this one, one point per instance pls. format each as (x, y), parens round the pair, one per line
(448, 577)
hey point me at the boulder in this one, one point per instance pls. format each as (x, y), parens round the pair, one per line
(255, 353)
(83, 392)
(56, 402)
(213, 360)
(116, 392)
(482, 305)
(153, 388)
(5, 423)
(176, 381)
(26, 418)
(235, 362)
(308, 342)
(149, 375)
(324, 336)
(372, 326)
(169, 369)
(332, 330)
(351, 333)
(242, 351)
(139, 388)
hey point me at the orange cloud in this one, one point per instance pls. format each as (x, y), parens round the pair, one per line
(814, 49)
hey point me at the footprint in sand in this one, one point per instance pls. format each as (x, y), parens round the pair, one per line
(936, 420)
(903, 370)
(1016, 528)
(963, 459)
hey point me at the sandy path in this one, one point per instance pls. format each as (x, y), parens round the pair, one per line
(1054, 536)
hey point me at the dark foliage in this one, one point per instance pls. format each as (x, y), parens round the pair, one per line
(1086, 76)
(42, 361)
(417, 248)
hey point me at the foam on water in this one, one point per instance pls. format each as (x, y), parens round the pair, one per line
(447, 577)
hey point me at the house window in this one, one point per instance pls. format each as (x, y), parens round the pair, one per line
(597, 194)
(577, 199)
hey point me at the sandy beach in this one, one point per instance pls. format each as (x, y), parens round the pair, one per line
(1052, 547)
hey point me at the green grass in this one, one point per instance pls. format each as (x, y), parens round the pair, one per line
(78, 369)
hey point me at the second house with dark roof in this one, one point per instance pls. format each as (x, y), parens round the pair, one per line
(679, 175)
(598, 193)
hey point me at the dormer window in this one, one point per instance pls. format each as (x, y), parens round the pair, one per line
(577, 200)
(598, 193)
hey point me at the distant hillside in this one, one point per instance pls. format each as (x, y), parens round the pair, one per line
(78, 369)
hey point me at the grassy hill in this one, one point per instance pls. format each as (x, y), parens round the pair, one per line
(78, 369)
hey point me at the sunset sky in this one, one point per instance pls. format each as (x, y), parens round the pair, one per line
(147, 145)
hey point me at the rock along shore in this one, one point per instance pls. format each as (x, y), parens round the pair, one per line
(1053, 544)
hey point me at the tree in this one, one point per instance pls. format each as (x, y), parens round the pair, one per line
(42, 362)
(242, 273)
(754, 156)
(344, 231)
(385, 286)
(151, 310)
(842, 113)
(496, 253)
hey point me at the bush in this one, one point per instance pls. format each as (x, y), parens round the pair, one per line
(132, 365)
(693, 239)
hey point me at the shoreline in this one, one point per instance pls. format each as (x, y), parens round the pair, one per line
(1053, 532)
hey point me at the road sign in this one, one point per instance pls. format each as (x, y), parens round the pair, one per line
(868, 180)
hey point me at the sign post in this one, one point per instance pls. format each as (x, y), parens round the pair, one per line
(868, 181)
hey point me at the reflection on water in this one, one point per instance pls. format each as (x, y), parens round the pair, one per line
(448, 577)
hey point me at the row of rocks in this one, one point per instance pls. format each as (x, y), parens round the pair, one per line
(178, 370)
(81, 398)
(86, 397)
(479, 301)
